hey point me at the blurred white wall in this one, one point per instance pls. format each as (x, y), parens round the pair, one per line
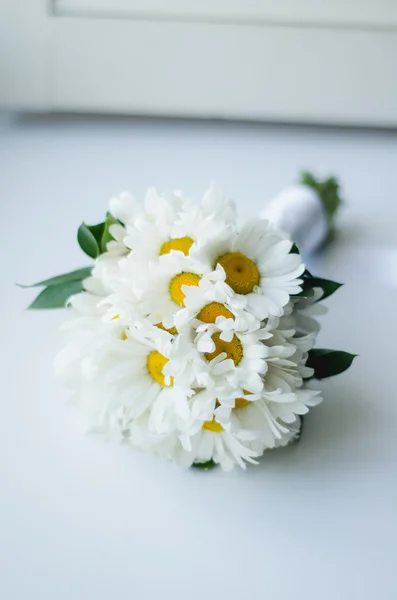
(283, 60)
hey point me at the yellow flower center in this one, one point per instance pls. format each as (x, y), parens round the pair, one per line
(155, 365)
(176, 286)
(233, 349)
(212, 426)
(241, 272)
(242, 402)
(211, 311)
(183, 244)
(171, 330)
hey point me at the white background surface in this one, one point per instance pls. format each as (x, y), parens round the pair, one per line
(83, 519)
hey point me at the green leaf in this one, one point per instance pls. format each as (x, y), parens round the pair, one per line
(107, 236)
(328, 286)
(93, 239)
(205, 466)
(56, 296)
(77, 275)
(294, 249)
(97, 231)
(328, 191)
(327, 363)
(89, 238)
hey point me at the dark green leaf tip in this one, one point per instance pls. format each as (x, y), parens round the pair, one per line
(328, 286)
(205, 466)
(327, 363)
(310, 282)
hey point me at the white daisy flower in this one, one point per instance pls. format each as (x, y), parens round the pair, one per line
(144, 385)
(243, 358)
(269, 416)
(148, 240)
(170, 222)
(162, 287)
(157, 208)
(78, 364)
(212, 301)
(207, 441)
(213, 218)
(122, 369)
(146, 227)
(259, 266)
(210, 441)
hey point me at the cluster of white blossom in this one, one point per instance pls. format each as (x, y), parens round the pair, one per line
(190, 339)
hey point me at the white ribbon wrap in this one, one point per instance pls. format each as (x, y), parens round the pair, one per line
(298, 211)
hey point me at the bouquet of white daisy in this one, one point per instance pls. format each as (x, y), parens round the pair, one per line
(190, 336)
